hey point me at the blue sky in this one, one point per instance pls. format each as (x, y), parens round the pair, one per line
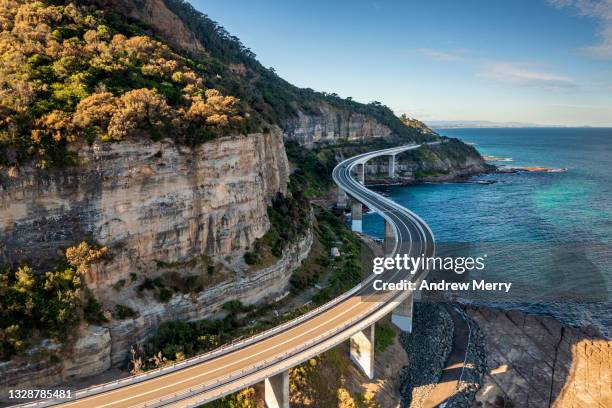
(532, 61)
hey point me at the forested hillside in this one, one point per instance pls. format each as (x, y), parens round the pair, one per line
(73, 73)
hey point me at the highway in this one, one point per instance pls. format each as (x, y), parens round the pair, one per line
(209, 376)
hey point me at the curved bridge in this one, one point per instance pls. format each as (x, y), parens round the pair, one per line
(268, 356)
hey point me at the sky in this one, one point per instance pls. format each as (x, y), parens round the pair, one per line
(529, 61)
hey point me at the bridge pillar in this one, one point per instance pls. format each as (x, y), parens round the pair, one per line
(356, 216)
(342, 199)
(362, 351)
(389, 239)
(402, 315)
(416, 295)
(277, 391)
(392, 166)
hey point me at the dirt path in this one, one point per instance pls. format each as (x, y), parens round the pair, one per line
(451, 373)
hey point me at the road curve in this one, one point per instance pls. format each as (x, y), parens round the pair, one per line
(209, 376)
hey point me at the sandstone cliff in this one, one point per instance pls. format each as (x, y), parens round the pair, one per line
(146, 201)
(100, 348)
(330, 125)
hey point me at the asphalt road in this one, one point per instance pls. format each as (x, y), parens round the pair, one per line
(219, 373)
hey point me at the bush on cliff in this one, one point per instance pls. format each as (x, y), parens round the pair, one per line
(34, 306)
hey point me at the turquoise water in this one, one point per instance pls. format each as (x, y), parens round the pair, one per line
(550, 234)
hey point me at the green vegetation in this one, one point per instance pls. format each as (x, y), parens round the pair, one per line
(35, 306)
(312, 169)
(385, 335)
(123, 312)
(71, 75)
(289, 217)
(346, 270)
(92, 310)
(419, 174)
(240, 399)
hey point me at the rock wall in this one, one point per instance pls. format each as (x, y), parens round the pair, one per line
(536, 361)
(443, 168)
(99, 348)
(90, 354)
(146, 201)
(330, 124)
(264, 284)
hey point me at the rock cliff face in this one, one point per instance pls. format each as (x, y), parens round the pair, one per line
(331, 124)
(155, 14)
(99, 348)
(146, 201)
(408, 170)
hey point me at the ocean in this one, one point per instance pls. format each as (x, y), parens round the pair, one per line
(550, 234)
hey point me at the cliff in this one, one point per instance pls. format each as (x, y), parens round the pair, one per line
(149, 202)
(330, 125)
(102, 347)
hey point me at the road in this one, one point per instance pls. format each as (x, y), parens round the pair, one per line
(234, 367)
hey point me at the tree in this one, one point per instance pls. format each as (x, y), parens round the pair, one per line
(138, 111)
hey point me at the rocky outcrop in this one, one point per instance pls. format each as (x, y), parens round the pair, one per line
(99, 348)
(156, 15)
(147, 201)
(90, 354)
(264, 284)
(330, 125)
(535, 361)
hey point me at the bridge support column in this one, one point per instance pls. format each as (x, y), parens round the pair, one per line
(416, 295)
(342, 199)
(362, 351)
(277, 391)
(389, 239)
(402, 315)
(392, 166)
(356, 216)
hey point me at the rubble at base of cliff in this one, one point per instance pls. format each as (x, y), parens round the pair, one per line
(428, 347)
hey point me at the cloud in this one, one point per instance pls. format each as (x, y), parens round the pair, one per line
(439, 55)
(525, 75)
(600, 10)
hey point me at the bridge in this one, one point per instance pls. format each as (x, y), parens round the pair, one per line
(269, 355)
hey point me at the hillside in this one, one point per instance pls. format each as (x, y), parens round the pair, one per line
(74, 75)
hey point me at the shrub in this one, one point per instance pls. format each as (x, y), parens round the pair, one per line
(92, 311)
(123, 312)
(165, 295)
(251, 258)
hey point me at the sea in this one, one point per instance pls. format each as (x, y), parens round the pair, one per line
(548, 233)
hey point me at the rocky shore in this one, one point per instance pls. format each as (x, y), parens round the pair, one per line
(428, 347)
(535, 361)
(503, 359)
